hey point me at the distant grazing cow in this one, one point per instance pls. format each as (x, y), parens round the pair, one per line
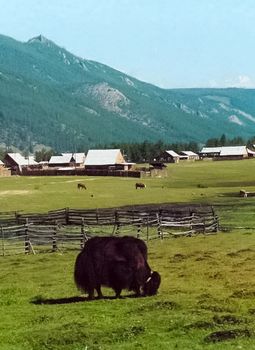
(81, 186)
(115, 262)
(139, 185)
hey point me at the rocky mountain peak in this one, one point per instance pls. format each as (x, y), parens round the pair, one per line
(40, 39)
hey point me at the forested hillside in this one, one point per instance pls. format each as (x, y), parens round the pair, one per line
(53, 98)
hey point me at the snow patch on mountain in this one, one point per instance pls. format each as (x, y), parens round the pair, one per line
(246, 115)
(223, 106)
(222, 99)
(90, 110)
(4, 76)
(215, 110)
(234, 119)
(184, 108)
(83, 66)
(129, 82)
(202, 115)
(66, 61)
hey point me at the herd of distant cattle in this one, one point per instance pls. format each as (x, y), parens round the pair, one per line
(82, 186)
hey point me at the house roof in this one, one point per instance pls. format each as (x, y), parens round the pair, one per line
(21, 161)
(172, 153)
(233, 151)
(65, 158)
(211, 150)
(250, 151)
(78, 157)
(189, 153)
(102, 157)
(226, 150)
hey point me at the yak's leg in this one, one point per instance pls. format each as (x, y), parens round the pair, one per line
(138, 291)
(99, 293)
(136, 287)
(91, 294)
(117, 292)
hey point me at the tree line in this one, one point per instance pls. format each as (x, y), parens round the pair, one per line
(146, 151)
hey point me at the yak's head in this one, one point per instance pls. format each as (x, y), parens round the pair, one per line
(152, 284)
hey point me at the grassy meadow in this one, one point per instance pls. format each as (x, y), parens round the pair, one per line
(205, 301)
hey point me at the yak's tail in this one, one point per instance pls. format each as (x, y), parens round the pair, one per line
(84, 274)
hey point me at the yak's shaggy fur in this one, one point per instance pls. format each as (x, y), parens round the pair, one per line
(115, 262)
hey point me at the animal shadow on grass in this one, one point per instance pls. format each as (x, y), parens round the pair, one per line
(39, 300)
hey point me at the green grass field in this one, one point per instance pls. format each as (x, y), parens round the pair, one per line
(208, 283)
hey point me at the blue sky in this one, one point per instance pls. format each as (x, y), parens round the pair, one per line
(170, 43)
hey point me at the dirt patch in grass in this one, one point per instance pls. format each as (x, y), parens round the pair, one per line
(200, 325)
(14, 192)
(227, 319)
(178, 257)
(220, 336)
(205, 256)
(243, 294)
(159, 305)
(125, 334)
(206, 298)
(214, 307)
(216, 321)
(216, 275)
(240, 252)
(251, 311)
(60, 337)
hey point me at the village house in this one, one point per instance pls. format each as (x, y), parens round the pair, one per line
(106, 159)
(189, 155)
(3, 170)
(169, 157)
(67, 160)
(16, 162)
(210, 152)
(226, 152)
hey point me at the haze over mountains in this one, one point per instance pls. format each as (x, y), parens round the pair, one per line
(51, 97)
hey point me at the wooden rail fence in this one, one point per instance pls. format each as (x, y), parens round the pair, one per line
(70, 228)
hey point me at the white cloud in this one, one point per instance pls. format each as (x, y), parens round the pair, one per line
(242, 81)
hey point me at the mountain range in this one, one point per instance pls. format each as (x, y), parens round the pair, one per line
(50, 97)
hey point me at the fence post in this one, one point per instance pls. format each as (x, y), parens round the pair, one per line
(97, 215)
(147, 230)
(27, 240)
(117, 223)
(2, 235)
(217, 224)
(204, 226)
(83, 234)
(138, 230)
(67, 216)
(160, 233)
(54, 240)
(216, 220)
(192, 214)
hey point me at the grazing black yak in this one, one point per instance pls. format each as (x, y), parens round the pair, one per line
(115, 262)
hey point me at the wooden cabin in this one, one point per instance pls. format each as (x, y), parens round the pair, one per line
(16, 162)
(169, 157)
(106, 159)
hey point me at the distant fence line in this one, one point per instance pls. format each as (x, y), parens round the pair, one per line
(81, 172)
(70, 228)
